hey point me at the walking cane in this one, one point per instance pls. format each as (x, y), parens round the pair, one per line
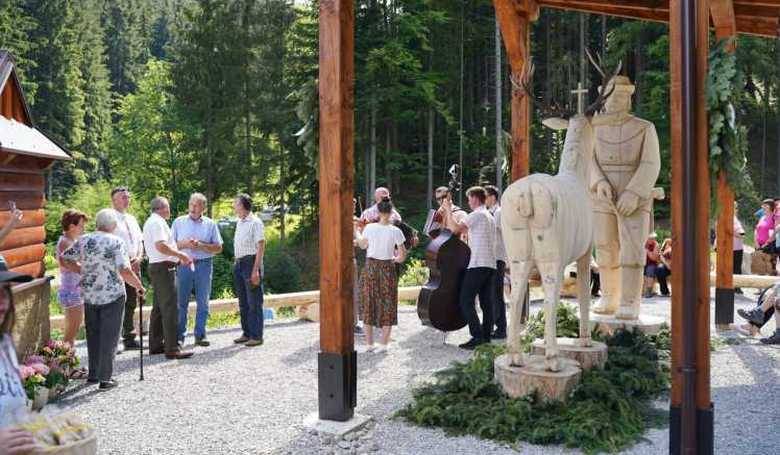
(141, 301)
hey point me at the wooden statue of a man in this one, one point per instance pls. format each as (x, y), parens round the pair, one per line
(625, 167)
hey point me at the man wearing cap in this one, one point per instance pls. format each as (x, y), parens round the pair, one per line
(624, 170)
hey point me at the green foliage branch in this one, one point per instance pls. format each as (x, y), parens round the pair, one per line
(728, 141)
(609, 410)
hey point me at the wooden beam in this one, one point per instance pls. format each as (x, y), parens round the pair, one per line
(337, 361)
(691, 408)
(754, 17)
(722, 12)
(514, 17)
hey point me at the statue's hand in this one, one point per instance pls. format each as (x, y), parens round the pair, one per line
(604, 191)
(627, 203)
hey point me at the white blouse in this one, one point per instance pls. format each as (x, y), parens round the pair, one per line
(382, 240)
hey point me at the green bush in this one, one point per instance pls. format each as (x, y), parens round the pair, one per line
(89, 199)
(415, 273)
(609, 410)
(222, 279)
(282, 273)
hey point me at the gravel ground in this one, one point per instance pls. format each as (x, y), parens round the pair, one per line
(235, 400)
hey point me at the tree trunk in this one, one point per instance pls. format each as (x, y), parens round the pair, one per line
(372, 184)
(763, 138)
(499, 111)
(431, 126)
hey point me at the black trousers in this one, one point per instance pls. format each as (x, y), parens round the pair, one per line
(103, 323)
(128, 324)
(661, 273)
(499, 310)
(478, 281)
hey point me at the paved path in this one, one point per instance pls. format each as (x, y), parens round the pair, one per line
(235, 400)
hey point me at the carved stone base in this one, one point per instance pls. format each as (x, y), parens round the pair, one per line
(608, 324)
(533, 377)
(588, 357)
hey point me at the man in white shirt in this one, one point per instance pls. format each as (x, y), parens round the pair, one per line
(499, 312)
(249, 247)
(129, 231)
(163, 257)
(480, 274)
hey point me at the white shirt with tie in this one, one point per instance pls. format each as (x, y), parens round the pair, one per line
(128, 229)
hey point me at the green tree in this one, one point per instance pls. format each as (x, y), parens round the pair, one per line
(149, 144)
(15, 27)
(97, 92)
(59, 103)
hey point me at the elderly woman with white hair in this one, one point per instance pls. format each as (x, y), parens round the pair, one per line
(105, 266)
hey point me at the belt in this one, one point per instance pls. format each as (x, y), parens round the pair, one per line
(250, 256)
(168, 264)
(618, 167)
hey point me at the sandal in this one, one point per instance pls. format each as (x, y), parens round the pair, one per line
(78, 373)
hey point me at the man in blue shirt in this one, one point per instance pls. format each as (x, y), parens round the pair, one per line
(197, 236)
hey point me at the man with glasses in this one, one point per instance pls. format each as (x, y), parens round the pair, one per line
(129, 231)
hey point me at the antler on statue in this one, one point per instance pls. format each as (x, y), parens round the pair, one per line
(525, 84)
(598, 103)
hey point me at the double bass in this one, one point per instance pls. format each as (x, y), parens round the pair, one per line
(447, 257)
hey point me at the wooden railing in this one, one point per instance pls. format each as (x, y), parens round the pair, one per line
(293, 299)
(307, 298)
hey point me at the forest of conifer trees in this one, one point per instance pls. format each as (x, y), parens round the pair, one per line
(172, 96)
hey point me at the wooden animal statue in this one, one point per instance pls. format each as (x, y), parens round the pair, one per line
(547, 222)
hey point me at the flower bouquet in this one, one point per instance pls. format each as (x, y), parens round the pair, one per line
(34, 383)
(61, 359)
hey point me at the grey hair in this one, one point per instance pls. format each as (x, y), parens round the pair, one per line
(106, 220)
(198, 197)
(158, 203)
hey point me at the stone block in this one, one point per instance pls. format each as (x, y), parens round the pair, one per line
(309, 312)
(588, 357)
(31, 302)
(533, 377)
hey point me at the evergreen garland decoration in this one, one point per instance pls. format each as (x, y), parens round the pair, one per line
(727, 139)
(608, 411)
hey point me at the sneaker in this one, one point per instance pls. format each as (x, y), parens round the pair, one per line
(92, 381)
(382, 348)
(370, 348)
(774, 339)
(241, 339)
(358, 330)
(202, 342)
(498, 335)
(132, 345)
(107, 385)
(756, 316)
(254, 342)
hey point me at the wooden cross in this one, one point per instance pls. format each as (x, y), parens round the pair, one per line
(580, 92)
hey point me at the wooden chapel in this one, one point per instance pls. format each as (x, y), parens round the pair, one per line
(690, 21)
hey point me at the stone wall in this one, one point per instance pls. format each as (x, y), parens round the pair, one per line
(31, 301)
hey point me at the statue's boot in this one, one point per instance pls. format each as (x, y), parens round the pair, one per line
(632, 281)
(610, 291)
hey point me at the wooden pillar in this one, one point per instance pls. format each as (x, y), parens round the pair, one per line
(691, 409)
(514, 18)
(337, 361)
(725, 27)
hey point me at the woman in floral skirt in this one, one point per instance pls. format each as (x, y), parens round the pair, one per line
(379, 282)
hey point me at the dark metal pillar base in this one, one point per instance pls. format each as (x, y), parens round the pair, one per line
(337, 380)
(724, 306)
(705, 436)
